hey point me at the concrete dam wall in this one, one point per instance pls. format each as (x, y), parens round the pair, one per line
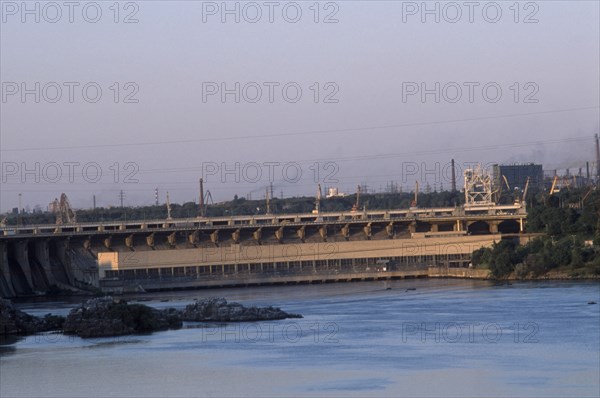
(40, 266)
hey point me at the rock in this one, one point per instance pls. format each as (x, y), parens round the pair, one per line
(103, 317)
(14, 321)
(217, 309)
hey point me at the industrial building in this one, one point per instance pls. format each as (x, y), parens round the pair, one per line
(516, 175)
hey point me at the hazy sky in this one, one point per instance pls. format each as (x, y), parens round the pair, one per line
(360, 117)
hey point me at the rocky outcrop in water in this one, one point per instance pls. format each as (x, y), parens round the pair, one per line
(14, 321)
(217, 309)
(103, 317)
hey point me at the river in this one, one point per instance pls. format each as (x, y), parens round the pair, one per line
(398, 338)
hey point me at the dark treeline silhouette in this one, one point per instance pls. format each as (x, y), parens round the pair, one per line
(241, 206)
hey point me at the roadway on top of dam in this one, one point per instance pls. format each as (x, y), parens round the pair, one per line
(494, 213)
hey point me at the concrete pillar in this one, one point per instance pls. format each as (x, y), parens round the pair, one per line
(345, 231)
(150, 240)
(434, 227)
(301, 233)
(61, 249)
(257, 235)
(172, 239)
(367, 231)
(129, 241)
(42, 254)
(521, 229)
(323, 232)
(6, 287)
(412, 227)
(194, 238)
(279, 235)
(22, 258)
(390, 230)
(235, 236)
(458, 226)
(493, 226)
(214, 237)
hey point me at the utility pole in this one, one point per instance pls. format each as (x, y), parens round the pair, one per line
(453, 177)
(121, 197)
(597, 160)
(19, 214)
(268, 200)
(168, 207)
(356, 205)
(416, 199)
(94, 202)
(201, 200)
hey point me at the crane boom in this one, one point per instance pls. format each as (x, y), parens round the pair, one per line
(553, 185)
(525, 190)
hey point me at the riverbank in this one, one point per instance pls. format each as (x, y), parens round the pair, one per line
(557, 274)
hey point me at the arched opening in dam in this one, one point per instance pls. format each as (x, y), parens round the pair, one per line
(479, 228)
(509, 227)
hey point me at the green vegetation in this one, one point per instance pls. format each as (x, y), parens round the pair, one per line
(568, 222)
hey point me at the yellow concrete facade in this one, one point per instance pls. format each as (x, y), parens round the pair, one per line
(253, 254)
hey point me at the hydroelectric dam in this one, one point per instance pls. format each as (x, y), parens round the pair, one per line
(316, 247)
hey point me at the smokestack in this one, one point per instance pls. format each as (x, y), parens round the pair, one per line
(201, 200)
(453, 177)
(268, 200)
(587, 172)
(416, 193)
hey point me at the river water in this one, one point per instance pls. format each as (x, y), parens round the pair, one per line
(399, 338)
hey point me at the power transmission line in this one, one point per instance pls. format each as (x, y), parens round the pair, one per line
(299, 133)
